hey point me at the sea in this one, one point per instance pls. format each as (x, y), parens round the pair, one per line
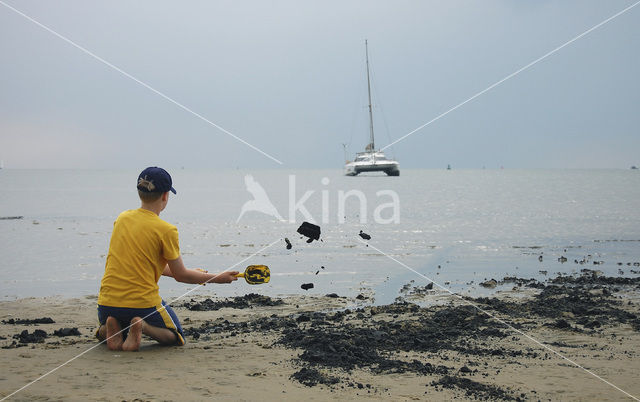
(456, 228)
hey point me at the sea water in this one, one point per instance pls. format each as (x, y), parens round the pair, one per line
(454, 227)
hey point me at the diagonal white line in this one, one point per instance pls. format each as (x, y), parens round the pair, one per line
(103, 61)
(124, 329)
(512, 75)
(474, 305)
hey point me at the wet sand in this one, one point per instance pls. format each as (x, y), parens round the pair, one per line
(336, 348)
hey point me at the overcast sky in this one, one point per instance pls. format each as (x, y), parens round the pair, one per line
(289, 78)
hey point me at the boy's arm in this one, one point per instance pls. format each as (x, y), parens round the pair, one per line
(180, 273)
(167, 271)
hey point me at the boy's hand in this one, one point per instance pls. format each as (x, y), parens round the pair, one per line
(226, 277)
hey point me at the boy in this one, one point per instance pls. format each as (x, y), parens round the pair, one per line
(142, 248)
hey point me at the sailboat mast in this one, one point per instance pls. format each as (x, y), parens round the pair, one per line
(371, 143)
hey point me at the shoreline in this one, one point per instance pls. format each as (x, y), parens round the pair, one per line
(327, 347)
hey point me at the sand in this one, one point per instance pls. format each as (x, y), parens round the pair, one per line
(239, 354)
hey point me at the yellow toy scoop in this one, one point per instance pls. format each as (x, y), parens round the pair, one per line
(256, 274)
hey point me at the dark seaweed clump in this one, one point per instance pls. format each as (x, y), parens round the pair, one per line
(586, 300)
(475, 389)
(18, 321)
(311, 377)
(371, 343)
(67, 332)
(38, 336)
(239, 302)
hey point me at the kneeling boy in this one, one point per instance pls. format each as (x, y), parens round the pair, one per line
(143, 247)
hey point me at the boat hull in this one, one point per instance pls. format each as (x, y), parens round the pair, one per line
(354, 169)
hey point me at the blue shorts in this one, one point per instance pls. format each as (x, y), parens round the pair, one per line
(161, 316)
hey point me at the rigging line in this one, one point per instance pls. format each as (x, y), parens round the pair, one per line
(149, 87)
(490, 87)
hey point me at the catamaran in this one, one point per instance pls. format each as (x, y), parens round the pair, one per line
(371, 160)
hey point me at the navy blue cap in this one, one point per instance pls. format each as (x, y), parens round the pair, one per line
(155, 180)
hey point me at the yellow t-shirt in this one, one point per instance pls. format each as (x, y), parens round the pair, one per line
(141, 244)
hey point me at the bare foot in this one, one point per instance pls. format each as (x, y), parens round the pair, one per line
(132, 343)
(114, 336)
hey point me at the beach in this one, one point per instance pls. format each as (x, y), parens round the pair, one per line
(495, 285)
(535, 341)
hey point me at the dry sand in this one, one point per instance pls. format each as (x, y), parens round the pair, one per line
(248, 364)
